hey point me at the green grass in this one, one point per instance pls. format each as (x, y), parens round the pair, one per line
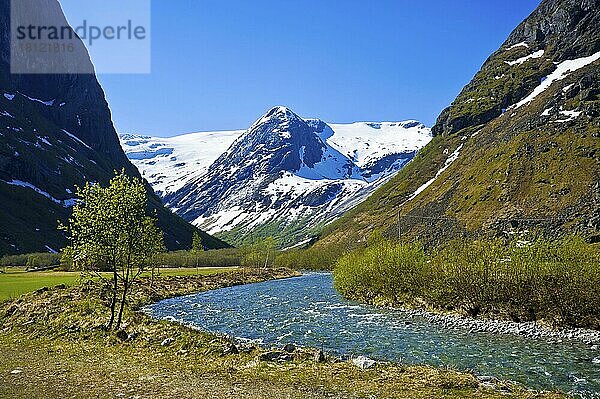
(16, 282)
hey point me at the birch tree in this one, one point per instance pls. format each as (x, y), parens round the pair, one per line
(110, 231)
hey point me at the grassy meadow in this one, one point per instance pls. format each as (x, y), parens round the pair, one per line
(15, 281)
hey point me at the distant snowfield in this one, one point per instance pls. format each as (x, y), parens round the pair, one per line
(366, 142)
(168, 163)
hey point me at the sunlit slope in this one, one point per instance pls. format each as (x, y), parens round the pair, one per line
(518, 150)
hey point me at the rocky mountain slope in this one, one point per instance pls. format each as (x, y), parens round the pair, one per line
(284, 177)
(55, 132)
(517, 151)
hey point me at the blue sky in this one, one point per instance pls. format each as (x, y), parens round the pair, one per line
(218, 65)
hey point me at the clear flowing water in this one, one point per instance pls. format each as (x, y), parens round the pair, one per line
(307, 311)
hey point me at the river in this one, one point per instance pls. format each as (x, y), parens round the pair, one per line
(307, 311)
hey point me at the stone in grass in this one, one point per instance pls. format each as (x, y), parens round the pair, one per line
(275, 356)
(16, 371)
(122, 335)
(167, 342)
(230, 349)
(246, 348)
(320, 357)
(487, 379)
(363, 362)
(289, 348)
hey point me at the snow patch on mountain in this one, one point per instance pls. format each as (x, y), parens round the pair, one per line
(562, 71)
(521, 60)
(522, 44)
(67, 203)
(77, 139)
(453, 157)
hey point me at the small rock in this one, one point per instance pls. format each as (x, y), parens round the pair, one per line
(230, 349)
(167, 342)
(596, 360)
(320, 357)
(246, 348)
(487, 379)
(73, 328)
(122, 335)
(16, 371)
(12, 310)
(60, 287)
(363, 362)
(41, 290)
(252, 364)
(289, 348)
(275, 356)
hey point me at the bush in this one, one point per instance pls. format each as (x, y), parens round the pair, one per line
(212, 258)
(313, 258)
(557, 281)
(42, 260)
(14, 260)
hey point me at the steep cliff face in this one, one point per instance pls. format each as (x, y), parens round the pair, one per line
(56, 132)
(518, 150)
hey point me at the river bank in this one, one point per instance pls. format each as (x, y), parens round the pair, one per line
(53, 346)
(530, 329)
(307, 311)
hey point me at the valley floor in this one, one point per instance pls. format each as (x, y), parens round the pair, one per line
(51, 346)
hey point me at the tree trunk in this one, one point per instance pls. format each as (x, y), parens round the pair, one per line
(125, 287)
(113, 302)
(123, 298)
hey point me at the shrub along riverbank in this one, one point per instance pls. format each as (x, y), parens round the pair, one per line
(557, 282)
(53, 345)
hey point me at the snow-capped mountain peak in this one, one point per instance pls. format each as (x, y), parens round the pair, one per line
(278, 112)
(284, 176)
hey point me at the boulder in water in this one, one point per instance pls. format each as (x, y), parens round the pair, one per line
(320, 357)
(230, 349)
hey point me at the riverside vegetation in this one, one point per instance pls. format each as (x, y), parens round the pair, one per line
(53, 339)
(557, 282)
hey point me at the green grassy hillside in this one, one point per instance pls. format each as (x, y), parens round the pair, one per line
(503, 170)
